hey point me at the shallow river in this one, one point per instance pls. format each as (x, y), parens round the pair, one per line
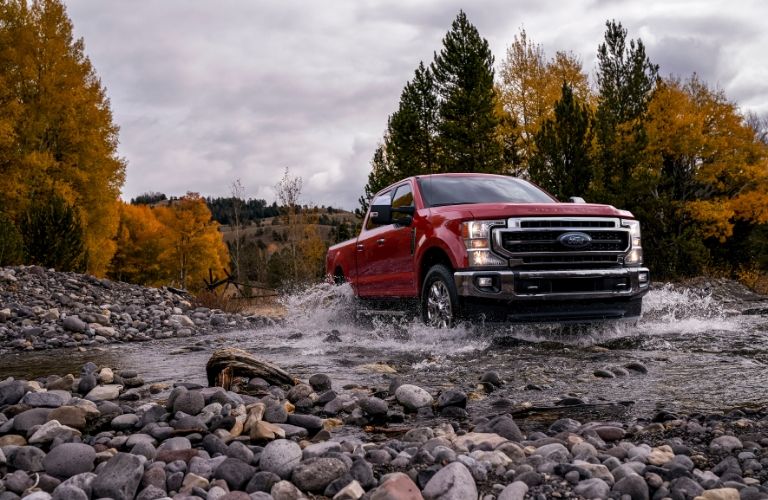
(700, 356)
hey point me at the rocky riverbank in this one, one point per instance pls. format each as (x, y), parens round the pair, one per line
(44, 309)
(101, 434)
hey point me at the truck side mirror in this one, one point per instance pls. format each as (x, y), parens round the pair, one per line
(381, 214)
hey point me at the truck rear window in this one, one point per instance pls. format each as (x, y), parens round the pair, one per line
(439, 191)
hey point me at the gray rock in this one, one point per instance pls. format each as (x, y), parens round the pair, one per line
(124, 422)
(374, 406)
(17, 481)
(190, 402)
(11, 392)
(275, 413)
(69, 459)
(726, 444)
(87, 383)
(452, 482)
(309, 422)
(452, 397)
(28, 458)
(554, 452)
(106, 392)
(315, 474)
(514, 491)
(632, 485)
(592, 488)
(504, 426)
(68, 492)
(235, 472)
(238, 450)
(281, 457)
(151, 493)
(285, 490)
(24, 421)
(320, 382)
(262, 481)
(120, 477)
(74, 324)
(50, 399)
(298, 392)
(413, 397)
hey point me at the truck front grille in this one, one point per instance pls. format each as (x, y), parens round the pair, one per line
(559, 243)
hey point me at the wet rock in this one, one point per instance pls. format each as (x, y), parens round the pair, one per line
(452, 482)
(603, 373)
(504, 426)
(373, 406)
(69, 459)
(636, 366)
(280, 457)
(492, 378)
(320, 382)
(452, 397)
(120, 477)
(413, 397)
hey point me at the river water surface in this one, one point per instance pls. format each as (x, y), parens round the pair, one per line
(700, 355)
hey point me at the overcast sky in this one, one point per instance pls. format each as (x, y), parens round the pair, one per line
(209, 91)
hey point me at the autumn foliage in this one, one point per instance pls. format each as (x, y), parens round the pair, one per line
(174, 244)
(679, 154)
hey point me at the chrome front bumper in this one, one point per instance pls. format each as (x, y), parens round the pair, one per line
(582, 284)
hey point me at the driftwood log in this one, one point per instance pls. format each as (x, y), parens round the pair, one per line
(227, 364)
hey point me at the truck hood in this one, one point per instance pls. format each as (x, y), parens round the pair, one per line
(506, 210)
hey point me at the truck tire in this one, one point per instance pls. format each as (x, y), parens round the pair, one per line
(439, 299)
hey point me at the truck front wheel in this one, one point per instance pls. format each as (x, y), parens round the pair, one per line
(439, 299)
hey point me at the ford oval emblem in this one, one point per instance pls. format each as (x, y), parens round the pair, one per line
(575, 240)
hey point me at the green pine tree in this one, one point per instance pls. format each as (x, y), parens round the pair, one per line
(53, 235)
(412, 128)
(562, 163)
(626, 79)
(463, 72)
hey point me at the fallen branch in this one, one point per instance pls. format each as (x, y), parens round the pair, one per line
(226, 364)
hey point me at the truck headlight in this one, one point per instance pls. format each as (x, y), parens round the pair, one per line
(635, 254)
(477, 239)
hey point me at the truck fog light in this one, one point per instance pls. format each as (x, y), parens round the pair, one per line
(485, 282)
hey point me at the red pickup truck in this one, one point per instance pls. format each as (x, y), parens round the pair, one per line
(493, 247)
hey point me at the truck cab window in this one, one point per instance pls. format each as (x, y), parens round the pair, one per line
(382, 199)
(403, 197)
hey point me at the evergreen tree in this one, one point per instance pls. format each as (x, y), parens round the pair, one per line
(626, 79)
(11, 243)
(463, 73)
(413, 127)
(562, 161)
(53, 235)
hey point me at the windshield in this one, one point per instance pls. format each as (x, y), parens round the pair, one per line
(439, 191)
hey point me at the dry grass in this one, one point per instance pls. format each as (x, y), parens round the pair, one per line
(213, 300)
(755, 279)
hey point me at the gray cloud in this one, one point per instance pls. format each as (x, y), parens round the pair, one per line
(207, 92)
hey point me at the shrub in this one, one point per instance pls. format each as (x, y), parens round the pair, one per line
(53, 235)
(11, 243)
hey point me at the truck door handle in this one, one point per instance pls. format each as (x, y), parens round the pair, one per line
(380, 241)
(360, 247)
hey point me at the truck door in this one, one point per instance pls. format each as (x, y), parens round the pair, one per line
(387, 269)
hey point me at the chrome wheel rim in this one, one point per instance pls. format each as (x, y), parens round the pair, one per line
(439, 309)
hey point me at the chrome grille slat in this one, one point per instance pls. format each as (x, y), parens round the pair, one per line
(533, 242)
